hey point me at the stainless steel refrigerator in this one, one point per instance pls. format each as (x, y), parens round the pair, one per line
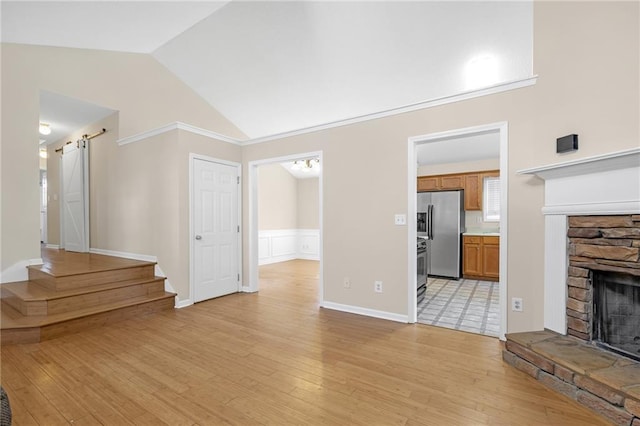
(441, 221)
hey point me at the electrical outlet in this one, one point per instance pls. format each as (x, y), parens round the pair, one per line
(400, 219)
(516, 304)
(346, 283)
(377, 286)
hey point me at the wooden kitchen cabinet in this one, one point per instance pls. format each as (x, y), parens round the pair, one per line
(491, 257)
(481, 257)
(472, 192)
(472, 184)
(472, 256)
(428, 183)
(452, 182)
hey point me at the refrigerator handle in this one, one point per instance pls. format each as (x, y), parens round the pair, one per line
(430, 222)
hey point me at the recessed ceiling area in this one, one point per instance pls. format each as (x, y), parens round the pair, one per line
(272, 67)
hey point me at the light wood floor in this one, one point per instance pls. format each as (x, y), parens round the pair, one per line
(275, 358)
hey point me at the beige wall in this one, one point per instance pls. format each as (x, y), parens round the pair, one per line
(277, 198)
(308, 204)
(139, 197)
(588, 84)
(285, 202)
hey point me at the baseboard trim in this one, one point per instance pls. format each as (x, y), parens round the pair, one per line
(18, 271)
(247, 289)
(52, 246)
(183, 303)
(366, 312)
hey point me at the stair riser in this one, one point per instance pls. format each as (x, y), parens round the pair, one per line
(33, 308)
(91, 278)
(38, 334)
(82, 301)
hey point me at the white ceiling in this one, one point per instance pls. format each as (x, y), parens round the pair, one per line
(481, 146)
(128, 26)
(66, 115)
(273, 67)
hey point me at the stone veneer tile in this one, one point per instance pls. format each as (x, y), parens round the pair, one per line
(598, 389)
(527, 338)
(615, 414)
(632, 406)
(574, 355)
(532, 357)
(625, 378)
(558, 385)
(633, 391)
(564, 373)
(520, 364)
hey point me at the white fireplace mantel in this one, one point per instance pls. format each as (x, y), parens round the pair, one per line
(605, 184)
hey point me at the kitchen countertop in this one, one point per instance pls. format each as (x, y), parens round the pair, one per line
(480, 233)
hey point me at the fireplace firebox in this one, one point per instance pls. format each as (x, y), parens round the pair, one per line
(616, 312)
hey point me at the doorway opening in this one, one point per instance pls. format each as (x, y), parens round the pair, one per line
(471, 163)
(285, 217)
(64, 119)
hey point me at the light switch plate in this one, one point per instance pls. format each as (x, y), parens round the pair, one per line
(401, 219)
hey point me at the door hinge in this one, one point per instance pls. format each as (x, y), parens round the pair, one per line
(238, 277)
(238, 228)
(238, 179)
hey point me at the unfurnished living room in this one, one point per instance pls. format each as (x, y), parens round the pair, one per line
(312, 212)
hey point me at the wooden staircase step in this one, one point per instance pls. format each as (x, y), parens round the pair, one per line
(77, 291)
(90, 278)
(31, 298)
(18, 328)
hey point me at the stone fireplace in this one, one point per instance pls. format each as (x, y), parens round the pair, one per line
(598, 187)
(603, 283)
(591, 286)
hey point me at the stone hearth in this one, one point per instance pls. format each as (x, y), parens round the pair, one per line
(607, 383)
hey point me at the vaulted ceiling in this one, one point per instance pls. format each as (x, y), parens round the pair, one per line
(274, 67)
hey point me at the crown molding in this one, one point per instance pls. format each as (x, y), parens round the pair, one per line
(498, 88)
(178, 125)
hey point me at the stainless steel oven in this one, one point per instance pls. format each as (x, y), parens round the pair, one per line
(422, 262)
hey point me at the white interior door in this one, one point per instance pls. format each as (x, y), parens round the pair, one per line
(75, 197)
(216, 230)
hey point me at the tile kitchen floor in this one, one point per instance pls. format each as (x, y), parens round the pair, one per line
(467, 305)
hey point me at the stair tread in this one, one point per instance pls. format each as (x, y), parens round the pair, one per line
(32, 291)
(61, 264)
(12, 319)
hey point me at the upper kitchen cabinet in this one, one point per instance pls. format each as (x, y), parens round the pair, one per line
(472, 192)
(472, 184)
(440, 182)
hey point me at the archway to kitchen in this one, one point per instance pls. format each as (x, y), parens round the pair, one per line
(470, 165)
(280, 245)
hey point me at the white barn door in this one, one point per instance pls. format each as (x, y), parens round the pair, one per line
(75, 197)
(216, 266)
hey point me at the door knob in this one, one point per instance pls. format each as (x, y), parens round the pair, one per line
(198, 237)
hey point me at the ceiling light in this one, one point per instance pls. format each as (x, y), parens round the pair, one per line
(482, 71)
(306, 165)
(44, 129)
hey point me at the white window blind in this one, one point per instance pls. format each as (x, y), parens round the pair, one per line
(491, 201)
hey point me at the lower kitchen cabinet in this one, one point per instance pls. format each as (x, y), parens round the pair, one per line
(481, 257)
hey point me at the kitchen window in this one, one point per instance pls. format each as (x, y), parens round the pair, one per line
(491, 199)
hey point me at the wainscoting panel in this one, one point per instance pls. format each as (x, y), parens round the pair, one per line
(288, 244)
